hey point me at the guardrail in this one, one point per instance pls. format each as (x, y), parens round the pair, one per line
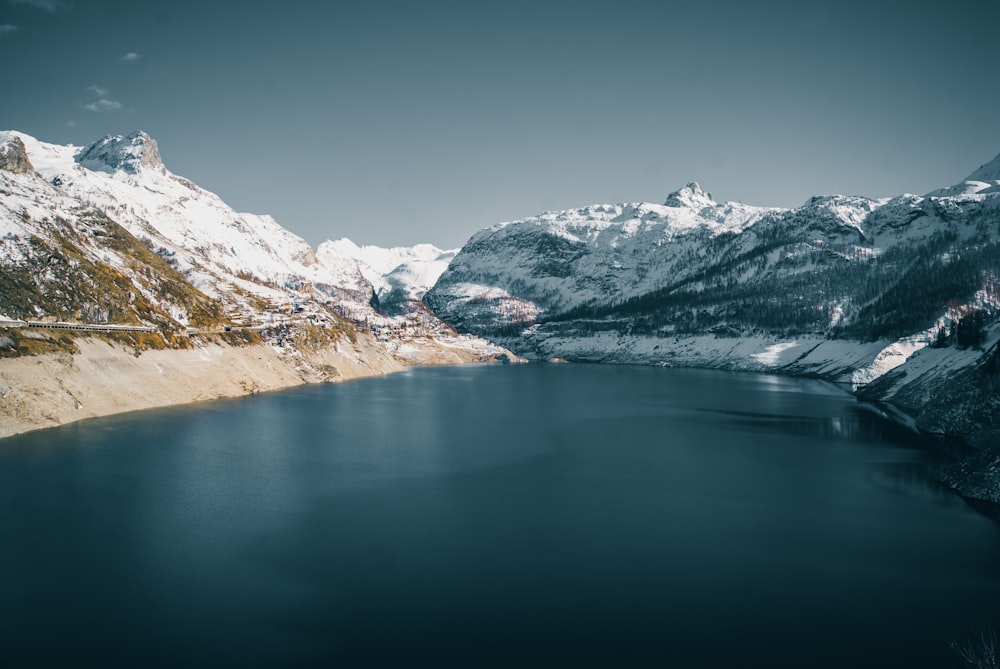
(228, 328)
(84, 327)
(109, 327)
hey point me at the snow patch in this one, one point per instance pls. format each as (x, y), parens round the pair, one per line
(772, 353)
(889, 358)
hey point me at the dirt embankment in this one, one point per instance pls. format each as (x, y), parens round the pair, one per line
(104, 378)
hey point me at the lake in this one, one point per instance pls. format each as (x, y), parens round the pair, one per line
(523, 515)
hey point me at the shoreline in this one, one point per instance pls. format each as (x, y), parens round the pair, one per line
(900, 392)
(104, 378)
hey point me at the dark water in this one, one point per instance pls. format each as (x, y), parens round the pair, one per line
(491, 516)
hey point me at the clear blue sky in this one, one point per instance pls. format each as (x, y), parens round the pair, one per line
(399, 122)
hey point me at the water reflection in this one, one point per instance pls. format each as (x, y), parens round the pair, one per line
(911, 479)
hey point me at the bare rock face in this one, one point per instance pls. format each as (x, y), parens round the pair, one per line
(130, 153)
(14, 157)
(308, 258)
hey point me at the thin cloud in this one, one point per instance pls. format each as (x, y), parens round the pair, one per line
(6, 28)
(130, 57)
(71, 123)
(50, 6)
(103, 103)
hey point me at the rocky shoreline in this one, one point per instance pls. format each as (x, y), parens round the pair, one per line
(971, 471)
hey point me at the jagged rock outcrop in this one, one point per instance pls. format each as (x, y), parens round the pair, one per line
(690, 197)
(14, 157)
(130, 153)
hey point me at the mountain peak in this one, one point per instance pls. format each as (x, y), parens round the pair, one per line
(983, 181)
(691, 197)
(988, 172)
(132, 153)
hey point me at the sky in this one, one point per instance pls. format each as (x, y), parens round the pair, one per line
(396, 123)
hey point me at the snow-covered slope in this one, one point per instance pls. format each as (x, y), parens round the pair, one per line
(519, 271)
(61, 258)
(692, 264)
(225, 253)
(983, 181)
(844, 287)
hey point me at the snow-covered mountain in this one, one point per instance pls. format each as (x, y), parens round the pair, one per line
(88, 231)
(226, 254)
(398, 274)
(64, 259)
(536, 268)
(844, 287)
(840, 265)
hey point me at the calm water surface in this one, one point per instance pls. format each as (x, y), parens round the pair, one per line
(534, 515)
